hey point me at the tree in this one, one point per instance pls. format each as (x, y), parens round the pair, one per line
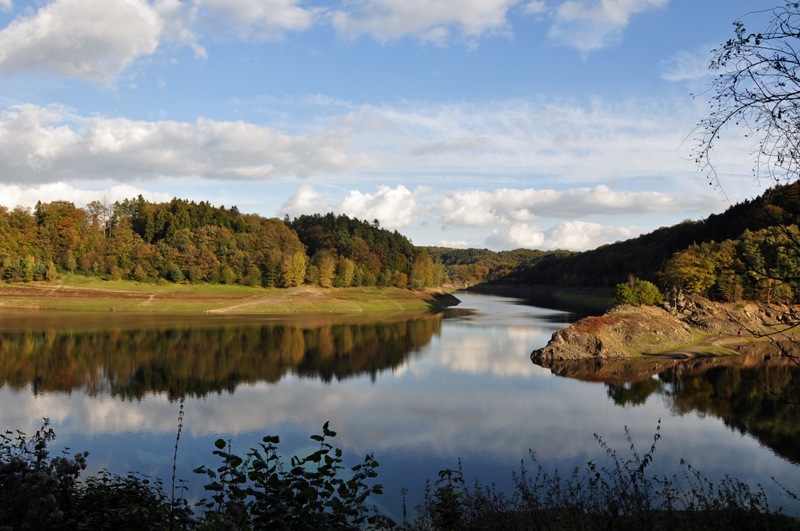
(293, 269)
(637, 292)
(693, 269)
(757, 88)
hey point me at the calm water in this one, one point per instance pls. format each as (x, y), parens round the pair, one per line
(418, 393)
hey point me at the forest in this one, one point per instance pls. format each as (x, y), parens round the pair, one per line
(184, 241)
(750, 251)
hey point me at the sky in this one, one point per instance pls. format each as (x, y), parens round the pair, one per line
(499, 124)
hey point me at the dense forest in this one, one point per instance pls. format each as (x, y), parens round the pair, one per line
(183, 241)
(750, 251)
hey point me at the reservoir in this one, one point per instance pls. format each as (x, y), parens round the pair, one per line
(422, 393)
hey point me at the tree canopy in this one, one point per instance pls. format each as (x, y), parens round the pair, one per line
(184, 241)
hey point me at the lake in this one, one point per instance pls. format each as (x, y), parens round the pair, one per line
(421, 393)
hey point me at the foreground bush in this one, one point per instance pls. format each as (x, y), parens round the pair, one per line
(258, 491)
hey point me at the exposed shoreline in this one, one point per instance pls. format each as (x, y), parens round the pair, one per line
(137, 298)
(701, 329)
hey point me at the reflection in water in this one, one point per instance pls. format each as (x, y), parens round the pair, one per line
(756, 392)
(199, 360)
(420, 393)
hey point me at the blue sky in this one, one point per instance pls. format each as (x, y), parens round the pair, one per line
(466, 123)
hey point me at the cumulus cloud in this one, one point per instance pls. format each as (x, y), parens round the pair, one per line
(49, 144)
(572, 235)
(92, 39)
(305, 200)
(481, 208)
(12, 196)
(393, 207)
(262, 19)
(591, 24)
(433, 22)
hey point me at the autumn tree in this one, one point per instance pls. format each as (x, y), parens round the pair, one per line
(693, 269)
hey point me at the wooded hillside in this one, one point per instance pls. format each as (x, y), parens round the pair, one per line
(182, 241)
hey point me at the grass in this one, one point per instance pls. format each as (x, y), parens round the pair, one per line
(82, 294)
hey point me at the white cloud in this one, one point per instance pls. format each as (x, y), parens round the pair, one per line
(92, 39)
(12, 196)
(536, 7)
(179, 19)
(593, 24)
(685, 65)
(305, 200)
(5, 5)
(479, 208)
(430, 21)
(394, 207)
(262, 19)
(39, 144)
(572, 235)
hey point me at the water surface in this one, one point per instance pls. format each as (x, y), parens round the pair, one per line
(420, 393)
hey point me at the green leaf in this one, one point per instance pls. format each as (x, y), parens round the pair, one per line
(220, 443)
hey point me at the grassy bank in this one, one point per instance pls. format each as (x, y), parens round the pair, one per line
(81, 294)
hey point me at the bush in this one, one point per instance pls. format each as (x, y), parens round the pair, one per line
(259, 491)
(637, 292)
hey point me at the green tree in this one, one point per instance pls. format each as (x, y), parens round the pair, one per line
(637, 292)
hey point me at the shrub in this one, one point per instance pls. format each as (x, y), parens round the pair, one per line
(637, 292)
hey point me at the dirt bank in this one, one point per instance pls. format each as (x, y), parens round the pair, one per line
(701, 328)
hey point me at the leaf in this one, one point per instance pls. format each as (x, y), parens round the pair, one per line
(219, 443)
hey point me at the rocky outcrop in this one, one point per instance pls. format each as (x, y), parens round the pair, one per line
(698, 325)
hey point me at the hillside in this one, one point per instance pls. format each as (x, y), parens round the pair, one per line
(646, 255)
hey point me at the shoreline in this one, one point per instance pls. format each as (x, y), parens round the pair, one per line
(702, 329)
(136, 298)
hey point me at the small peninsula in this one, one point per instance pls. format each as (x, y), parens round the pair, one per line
(699, 327)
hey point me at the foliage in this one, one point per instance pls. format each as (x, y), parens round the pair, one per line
(257, 490)
(637, 292)
(36, 488)
(182, 241)
(349, 252)
(467, 267)
(44, 492)
(316, 491)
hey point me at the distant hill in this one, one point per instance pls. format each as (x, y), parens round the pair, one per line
(609, 265)
(645, 256)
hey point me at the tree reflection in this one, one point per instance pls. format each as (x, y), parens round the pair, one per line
(757, 392)
(198, 360)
